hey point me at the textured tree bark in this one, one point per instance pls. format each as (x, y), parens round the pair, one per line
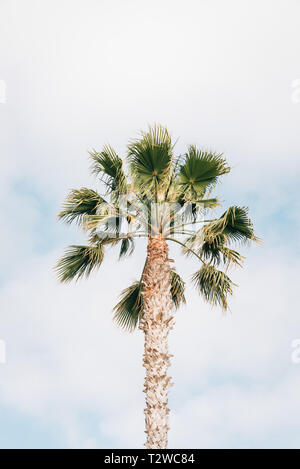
(156, 323)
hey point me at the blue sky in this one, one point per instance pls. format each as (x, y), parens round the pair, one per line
(79, 75)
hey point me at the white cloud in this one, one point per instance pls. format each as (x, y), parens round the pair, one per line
(233, 375)
(230, 416)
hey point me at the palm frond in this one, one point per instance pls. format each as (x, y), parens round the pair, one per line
(109, 166)
(79, 261)
(150, 160)
(200, 171)
(235, 225)
(214, 251)
(214, 285)
(127, 247)
(129, 308)
(79, 204)
(177, 289)
(230, 256)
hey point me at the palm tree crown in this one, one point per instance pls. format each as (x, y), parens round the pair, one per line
(161, 195)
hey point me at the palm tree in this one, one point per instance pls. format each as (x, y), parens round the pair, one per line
(163, 198)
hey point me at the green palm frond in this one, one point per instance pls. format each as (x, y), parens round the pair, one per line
(150, 160)
(112, 239)
(177, 289)
(109, 166)
(211, 241)
(218, 254)
(79, 204)
(79, 261)
(129, 310)
(200, 171)
(230, 256)
(214, 285)
(127, 247)
(235, 225)
(214, 251)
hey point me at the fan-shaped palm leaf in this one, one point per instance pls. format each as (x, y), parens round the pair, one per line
(215, 254)
(79, 204)
(150, 160)
(129, 308)
(200, 171)
(109, 166)
(235, 225)
(214, 285)
(79, 261)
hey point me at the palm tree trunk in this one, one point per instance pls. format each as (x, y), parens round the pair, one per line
(156, 323)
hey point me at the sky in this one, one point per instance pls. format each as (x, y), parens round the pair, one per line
(75, 75)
